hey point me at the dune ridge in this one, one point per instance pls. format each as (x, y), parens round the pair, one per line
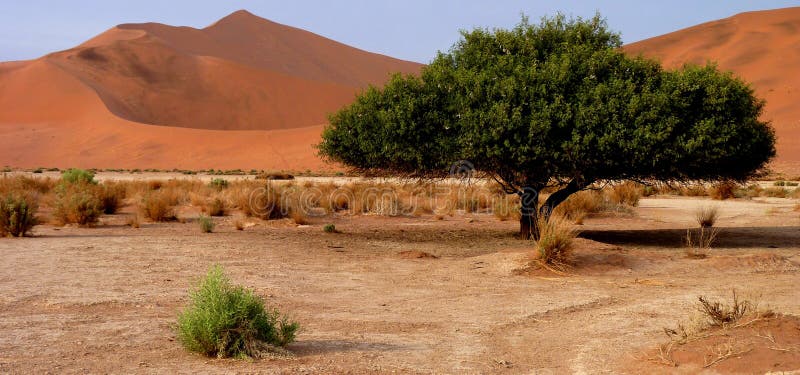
(244, 92)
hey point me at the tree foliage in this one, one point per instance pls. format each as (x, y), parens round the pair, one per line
(554, 104)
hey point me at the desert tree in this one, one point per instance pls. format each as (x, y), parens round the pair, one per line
(554, 105)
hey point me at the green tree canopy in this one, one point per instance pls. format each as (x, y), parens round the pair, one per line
(554, 104)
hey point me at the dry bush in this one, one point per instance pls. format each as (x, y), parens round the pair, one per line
(627, 193)
(697, 246)
(721, 314)
(555, 241)
(263, 202)
(698, 190)
(238, 224)
(77, 203)
(723, 190)
(112, 196)
(274, 176)
(215, 207)
(707, 216)
(775, 192)
(159, 205)
(154, 184)
(21, 183)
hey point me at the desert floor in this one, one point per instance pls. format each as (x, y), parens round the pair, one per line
(105, 299)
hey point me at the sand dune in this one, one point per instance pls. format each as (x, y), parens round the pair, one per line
(761, 47)
(244, 92)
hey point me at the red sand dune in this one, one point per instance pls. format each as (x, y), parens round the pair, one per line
(249, 93)
(244, 92)
(761, 47)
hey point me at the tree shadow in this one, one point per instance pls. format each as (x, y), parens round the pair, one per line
(730, 237)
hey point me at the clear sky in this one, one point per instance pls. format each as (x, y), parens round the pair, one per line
(407, 29)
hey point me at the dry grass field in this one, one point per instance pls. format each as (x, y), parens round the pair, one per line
(431, 290)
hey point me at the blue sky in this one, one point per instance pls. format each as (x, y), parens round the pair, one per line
(407, 29)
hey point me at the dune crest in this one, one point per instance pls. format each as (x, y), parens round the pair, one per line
(244, 92)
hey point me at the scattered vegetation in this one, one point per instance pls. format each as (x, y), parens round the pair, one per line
(225, 320)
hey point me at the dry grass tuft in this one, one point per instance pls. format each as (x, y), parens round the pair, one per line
(554, 246)
(707, 216)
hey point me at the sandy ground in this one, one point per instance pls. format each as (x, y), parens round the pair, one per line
(104, 299)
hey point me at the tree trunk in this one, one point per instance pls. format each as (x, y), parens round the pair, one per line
(528, 220)
(556, 198)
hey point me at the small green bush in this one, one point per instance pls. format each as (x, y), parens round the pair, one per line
(329, 228)
(77, 204)
(17, 214)
(206, 224)
(226, 320)
(74, 176)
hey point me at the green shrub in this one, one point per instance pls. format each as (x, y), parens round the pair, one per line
(219, 183)
(77, 204)
(226, 320)
(329, 228)
(74, 176)
(17, 214)
(206, 224)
